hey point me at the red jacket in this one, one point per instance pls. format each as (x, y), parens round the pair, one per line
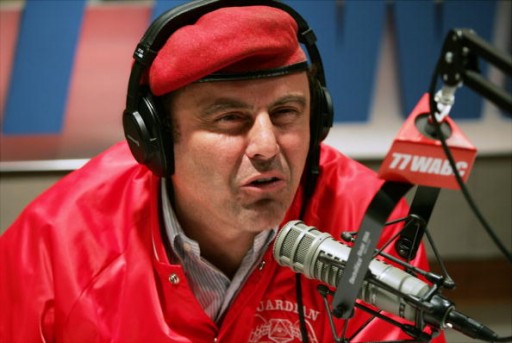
(85, 262)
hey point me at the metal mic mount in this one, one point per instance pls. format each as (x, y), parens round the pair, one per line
(458, 64)
(433, 310)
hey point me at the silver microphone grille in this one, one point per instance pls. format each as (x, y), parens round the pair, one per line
(310, 252)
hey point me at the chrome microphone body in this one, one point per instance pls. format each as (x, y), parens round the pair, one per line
(312, 253)
(318, 256)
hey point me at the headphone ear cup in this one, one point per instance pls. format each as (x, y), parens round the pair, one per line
(147, 138)
(322, 113)
(326, 111)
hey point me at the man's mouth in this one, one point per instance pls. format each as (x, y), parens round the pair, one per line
(264, 181)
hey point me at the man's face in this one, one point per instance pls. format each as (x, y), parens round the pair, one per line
(240, 150)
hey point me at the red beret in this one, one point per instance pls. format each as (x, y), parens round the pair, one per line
(232, 42)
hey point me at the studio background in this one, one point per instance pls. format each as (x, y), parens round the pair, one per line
(64, 68)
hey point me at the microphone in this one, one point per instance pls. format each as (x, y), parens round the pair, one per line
(417, 156)
(318, 256)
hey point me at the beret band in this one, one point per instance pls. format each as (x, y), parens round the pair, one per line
(231, 43)
(293, 68)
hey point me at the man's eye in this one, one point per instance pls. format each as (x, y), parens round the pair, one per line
(285, 115)
(232, 123)
(232, 117)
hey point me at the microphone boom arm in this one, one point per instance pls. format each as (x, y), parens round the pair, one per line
(458, 64)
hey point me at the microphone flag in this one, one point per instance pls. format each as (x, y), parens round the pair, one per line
(417, 156)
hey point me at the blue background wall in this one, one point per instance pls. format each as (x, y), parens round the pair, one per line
(352, 38)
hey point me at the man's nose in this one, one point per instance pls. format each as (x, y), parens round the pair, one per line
(263, 144)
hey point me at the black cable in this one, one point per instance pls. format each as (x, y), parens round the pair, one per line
(463, 188)
(300, 309)
(310, 181)
(504, 339)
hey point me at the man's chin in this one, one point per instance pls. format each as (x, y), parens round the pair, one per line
(265, 216)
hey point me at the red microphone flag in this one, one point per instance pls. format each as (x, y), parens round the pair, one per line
(417, 156)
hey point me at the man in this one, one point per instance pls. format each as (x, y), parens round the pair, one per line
(133, 257)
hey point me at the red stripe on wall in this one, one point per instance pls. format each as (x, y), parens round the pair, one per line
(9, 24)
(100, 77)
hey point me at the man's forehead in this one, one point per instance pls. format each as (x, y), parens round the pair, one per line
(245, 93)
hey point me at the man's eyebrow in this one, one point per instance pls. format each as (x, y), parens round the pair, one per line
(300, 99)
(223, 104)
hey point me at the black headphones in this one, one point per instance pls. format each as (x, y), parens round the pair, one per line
(148, 134)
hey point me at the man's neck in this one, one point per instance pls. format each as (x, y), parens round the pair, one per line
(222, 246)
(225, 253)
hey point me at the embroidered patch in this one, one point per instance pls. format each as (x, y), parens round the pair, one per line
(274, 324)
